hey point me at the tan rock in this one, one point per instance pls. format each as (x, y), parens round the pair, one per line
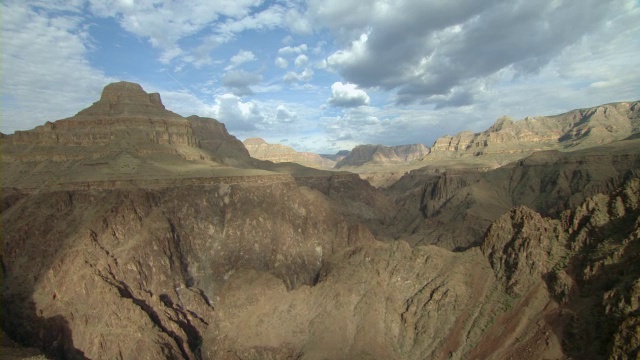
(278, 153)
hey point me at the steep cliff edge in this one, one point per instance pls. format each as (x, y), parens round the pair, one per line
(454, 208)
(158, 237)
(122, 224)
(127, 134)
(588, 259)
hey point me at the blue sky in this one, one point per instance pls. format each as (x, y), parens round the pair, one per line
(322, 75)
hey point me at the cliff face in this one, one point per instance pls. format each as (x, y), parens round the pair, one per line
(453, 208)
(588, 258)
(507, 140)
(122, 226)
(158, 257)
(277, 153)
(383, 155)
(127, 99)
(115, 245)
(126, 135)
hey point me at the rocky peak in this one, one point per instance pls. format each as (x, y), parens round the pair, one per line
(507, 140)
(500, 124)
(127, 98)
(254, 141)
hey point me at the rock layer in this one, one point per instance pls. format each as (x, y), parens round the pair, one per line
(507, 140)
(126, 245)
(453, 208)
(383, 155)
(260, 149)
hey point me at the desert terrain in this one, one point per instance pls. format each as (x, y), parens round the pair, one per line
(131, 232)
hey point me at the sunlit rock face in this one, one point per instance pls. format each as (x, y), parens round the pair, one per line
(131, 232)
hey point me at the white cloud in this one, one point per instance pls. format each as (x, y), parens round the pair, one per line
(45, 74)
(424, 50)
(243, 56)
(284, 115)
(235, 114)
(269, 18)
(291, 50)
(297, 22)
(239, 81)
(56, 5)
(301, 60)
(164, 24)
(281, 62)
(347, 95)
(304, 76)
(355, 54)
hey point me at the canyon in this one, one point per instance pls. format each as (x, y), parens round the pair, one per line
(129, 231)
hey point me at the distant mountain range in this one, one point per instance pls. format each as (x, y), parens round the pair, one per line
(131, 232)
(278, 153)
(506, 140)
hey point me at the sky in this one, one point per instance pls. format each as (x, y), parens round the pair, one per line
(322, 76)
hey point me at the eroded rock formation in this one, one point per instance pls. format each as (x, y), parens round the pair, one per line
(383, 155)
(135, 233)
(507, 140)
(260, 149)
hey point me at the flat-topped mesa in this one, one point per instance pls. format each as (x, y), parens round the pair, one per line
(128, 99)
(126, 118)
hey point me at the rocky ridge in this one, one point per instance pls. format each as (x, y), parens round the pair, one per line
(337, 156)
(260, 149)
(508, 140)
(154, 249)
(588, 258)
(383, 155)
(504, 142)
(435, 203)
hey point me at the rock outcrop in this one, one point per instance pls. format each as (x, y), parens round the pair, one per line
(383, 155)
(337, 156)
(128, 232)
(507, 140)
(127, 99)
(278, 153)
(128, 134)
(453, 208)
(122, 225)
(588, 258)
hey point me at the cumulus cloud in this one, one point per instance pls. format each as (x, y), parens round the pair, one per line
(291, 50)
(281, 62)
(235, 114)
(239, 81)
(347, 95)
(293, 77)
(240, 58)
(426, 49)
(284, 115)
(301, 60)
